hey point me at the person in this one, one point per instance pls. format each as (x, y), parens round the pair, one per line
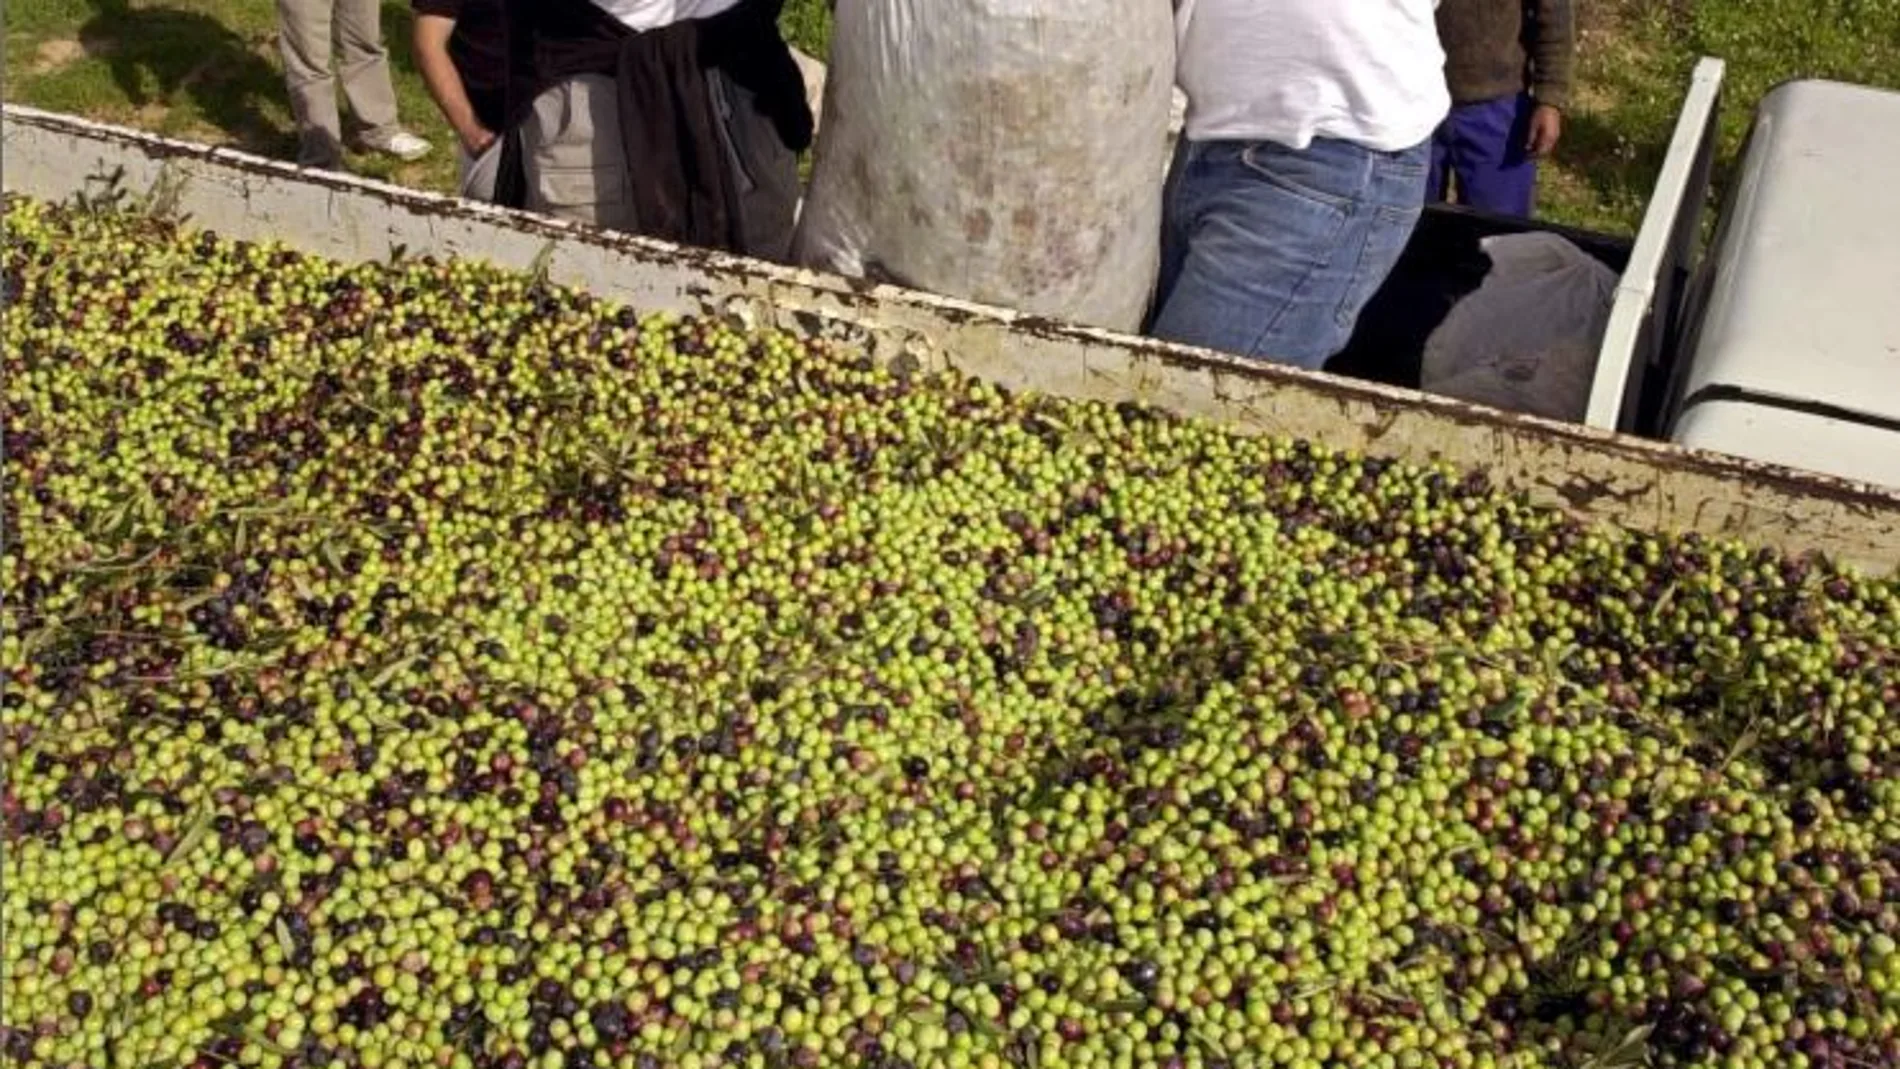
(461, 48)
(309, 31)
(1300, 174)
(710, 155)
(1508, 65)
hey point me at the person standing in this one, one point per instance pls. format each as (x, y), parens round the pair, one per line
(1508, 65)
(675, 119)
(1300, 174)
(313, 35)
(461, 48)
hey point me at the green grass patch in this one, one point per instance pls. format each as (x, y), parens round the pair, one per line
(807, 25)
(1635, 61)
(204, 70)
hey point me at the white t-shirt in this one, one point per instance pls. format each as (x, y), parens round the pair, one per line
(644, 15)
(1288, 71)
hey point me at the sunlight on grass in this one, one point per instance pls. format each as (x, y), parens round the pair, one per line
(807, 25)
(1635, 61)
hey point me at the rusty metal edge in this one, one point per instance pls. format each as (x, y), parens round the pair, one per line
(1807, 497)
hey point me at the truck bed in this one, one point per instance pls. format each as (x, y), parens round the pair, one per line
(1596, 475)
(1442, 264)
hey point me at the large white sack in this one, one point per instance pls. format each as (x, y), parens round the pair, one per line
(1526, 340)
(1004, 151)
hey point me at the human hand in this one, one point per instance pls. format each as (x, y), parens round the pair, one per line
(476, 138)
(1546, 126)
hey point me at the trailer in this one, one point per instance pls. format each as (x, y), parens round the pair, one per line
(1598, 473)
(1776, 340)
(1656, 270)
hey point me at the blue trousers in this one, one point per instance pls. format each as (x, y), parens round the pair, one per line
(1270, 252)
(1480, 146)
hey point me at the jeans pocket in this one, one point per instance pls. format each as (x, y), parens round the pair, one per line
(1299, 173)
(1394, 200)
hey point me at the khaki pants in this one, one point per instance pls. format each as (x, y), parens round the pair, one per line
(576, 163)
(311, 32)
(480, 172)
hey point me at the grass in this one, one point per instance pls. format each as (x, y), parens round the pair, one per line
(807, 24)
(1634, 62)
(208, 70)
(204, 70)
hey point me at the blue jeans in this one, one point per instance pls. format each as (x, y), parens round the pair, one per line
(1481, 145)
(1271, 253)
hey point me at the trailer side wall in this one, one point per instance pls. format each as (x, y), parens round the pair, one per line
(1598, 476)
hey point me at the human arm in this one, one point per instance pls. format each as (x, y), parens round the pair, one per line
(1551, 41)
(444, 82)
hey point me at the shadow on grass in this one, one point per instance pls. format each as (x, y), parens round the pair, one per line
(1617, 160)
(158, 55)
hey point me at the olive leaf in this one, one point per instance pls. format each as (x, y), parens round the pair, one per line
(1630, 1052)
(188, 842)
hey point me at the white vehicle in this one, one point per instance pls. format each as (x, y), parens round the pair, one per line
(1795, 355)
(1781, 344)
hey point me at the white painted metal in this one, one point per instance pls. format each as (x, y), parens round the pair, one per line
(1639, 320)
(1812, 442)
(1804, 292)
(1598, 476)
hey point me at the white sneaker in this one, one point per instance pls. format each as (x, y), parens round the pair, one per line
(402, 144)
